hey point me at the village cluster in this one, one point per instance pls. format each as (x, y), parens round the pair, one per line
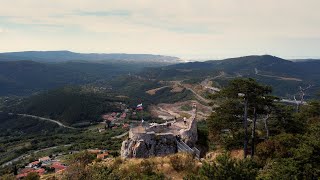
(53, 164)
(114, 120)
(41, 166)
(120, 119)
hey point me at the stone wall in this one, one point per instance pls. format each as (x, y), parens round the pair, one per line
(159, 128)
(190, 135)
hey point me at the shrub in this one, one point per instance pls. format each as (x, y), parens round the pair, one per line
(32, 176)
(285, 168)
(227, 168)
(117, 162)
(8, 177)
(100, 172)
(147, 166)
(192, 176)
(181, 162)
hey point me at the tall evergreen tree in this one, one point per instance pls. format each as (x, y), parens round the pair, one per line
(249, 93)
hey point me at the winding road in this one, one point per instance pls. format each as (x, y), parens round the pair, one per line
(44, 119)
(198, 96)
(120, 136)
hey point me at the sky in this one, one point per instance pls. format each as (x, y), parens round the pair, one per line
(190, 29)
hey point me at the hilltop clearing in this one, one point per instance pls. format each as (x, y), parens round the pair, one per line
(179, 110)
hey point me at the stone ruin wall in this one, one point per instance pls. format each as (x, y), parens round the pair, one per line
(190, 135)
(153, 142)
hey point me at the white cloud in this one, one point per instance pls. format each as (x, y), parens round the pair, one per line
(3, 30)
(189, 28)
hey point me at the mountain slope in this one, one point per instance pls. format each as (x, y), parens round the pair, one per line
(23, 77)
(62, 56)
(26, 77)
(285, 76)
(69, 105)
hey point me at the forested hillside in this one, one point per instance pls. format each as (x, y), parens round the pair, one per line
(69, 105)
(27, 77)
(285, 76)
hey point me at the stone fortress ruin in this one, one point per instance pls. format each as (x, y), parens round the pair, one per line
(146, 140)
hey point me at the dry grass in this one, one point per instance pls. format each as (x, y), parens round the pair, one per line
(174, 166)
(174, 110)
(160, 164)
(290, 79)
(176, 88)
(236, 154)
(124, 97)
(281, 77)
(154, 91)
(183, 114)
(48, 176)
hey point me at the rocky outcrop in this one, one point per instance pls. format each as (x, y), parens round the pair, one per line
(150, 144)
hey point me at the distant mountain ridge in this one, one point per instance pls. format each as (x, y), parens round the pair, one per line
(245, 65)
(284, 75)
(62, 56)
(304, 60)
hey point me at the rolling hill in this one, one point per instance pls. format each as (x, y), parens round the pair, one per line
(63, 56)
(27, 77)
(23, 73)
(69, 105)
(284, 75)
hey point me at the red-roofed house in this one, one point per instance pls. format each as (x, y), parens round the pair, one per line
(110, 119)
(94, 151)
(33, 164)
(123, 115)
(102, 156)
(23, 174)
(45, 159)
(26, 170)
(58, 166)
(40, 171)
(125, 125)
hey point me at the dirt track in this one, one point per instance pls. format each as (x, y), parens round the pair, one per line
(170, 111)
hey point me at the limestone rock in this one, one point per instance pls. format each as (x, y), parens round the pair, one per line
(151, 145)
(160, 139)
